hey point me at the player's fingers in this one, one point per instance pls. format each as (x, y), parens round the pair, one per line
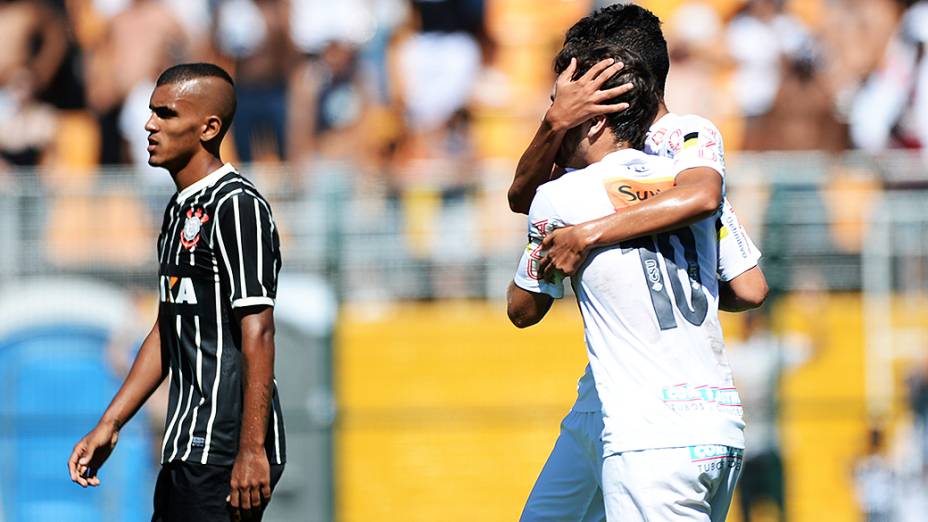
(233, 498)
(568, 73)
(72, 462)
(600, 66)
(266, 493)
(245, 499)
(609, 108)
(256, 497)
(93, 481)
(607, 73)
(614, 92)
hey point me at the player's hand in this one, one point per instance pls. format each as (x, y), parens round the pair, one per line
(576, 101)
(250, 487)
(91, 452)
(565, 250)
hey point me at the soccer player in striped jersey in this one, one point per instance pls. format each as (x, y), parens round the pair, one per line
(218, 252)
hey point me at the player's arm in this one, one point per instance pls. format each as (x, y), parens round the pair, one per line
(742, 285)
(249, 252)
(526, 308)
(696, 195)
(745, 292)
(148, 371)
(529, 296)
(251, 486)
(574, 101)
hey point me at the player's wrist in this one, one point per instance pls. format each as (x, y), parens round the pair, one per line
(112, 423)
(590, 235)
(555, 121)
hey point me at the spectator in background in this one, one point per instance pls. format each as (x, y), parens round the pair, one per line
(758, 39)
(255, 35)
(329, 91)
(891, 109)
(873, 479)
(693, 36)
(433, 75)
(759, 362)
(140, 41)
(33, 48)
(328, 101)
(803, 113)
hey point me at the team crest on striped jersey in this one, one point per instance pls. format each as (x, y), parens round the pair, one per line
(190, 235)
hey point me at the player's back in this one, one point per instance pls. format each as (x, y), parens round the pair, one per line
(656, 362)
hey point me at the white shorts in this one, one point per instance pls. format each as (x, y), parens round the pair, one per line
(690, 483)
(578, 485)
(568, 487)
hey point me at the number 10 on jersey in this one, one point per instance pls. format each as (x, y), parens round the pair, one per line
(650, 248)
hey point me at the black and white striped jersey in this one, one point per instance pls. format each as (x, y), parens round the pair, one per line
(218, 250)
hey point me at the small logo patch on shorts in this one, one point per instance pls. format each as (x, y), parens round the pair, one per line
(198, 442)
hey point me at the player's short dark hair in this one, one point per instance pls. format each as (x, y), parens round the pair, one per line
(631, 125)
(190, 71)
(630, 27)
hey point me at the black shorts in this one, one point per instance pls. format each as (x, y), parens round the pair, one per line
(197, 492)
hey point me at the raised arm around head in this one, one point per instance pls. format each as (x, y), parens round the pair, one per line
(148, 371)
(573, 102)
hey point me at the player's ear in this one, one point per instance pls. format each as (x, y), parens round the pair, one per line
(597, 125)
(211, 128)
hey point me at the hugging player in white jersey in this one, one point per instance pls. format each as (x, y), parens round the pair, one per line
(672, 430)
(568, 486)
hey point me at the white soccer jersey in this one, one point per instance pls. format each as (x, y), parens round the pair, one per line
(693, 141)
(650, 310)
(690, 141)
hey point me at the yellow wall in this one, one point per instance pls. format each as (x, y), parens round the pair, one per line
(447, 412)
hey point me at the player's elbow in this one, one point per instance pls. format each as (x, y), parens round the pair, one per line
(756, 296)
(517, 202)
(521, 318)
(706, 203)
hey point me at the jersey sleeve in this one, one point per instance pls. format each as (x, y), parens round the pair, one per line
(696, 142)
(248, 251)
(737, 253)
(542, 219)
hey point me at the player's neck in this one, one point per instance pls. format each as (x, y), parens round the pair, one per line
(199, 166)
(661, 112)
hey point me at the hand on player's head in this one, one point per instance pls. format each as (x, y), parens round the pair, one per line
(577, 99)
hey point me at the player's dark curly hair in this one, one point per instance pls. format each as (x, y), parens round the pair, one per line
(631, 125)
(627, 26)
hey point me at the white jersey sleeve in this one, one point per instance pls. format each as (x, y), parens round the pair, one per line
(542, 219)
(696, 142)
(737, 253)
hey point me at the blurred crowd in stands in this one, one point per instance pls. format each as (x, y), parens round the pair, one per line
(384, 83)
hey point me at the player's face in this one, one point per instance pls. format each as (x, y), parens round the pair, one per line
(570, 154)
(173, 128)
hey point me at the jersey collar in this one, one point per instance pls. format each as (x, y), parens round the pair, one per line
(204, 182)
(664, 121)
(623, 156)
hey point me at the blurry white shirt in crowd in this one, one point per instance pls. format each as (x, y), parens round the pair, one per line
(758, 363)
(439, 72)
(132, 119)
(874, 484)
(194, 15)
(758, 47)
(896, 95)
(313, 23)
(240, 28)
